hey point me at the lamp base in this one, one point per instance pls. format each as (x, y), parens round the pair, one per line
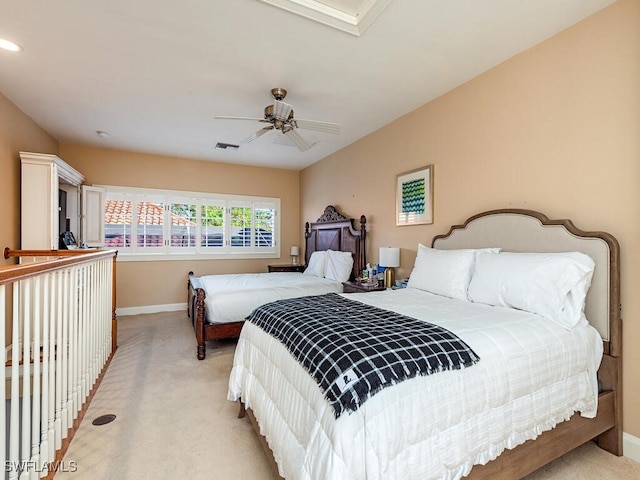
(294, 260)
(389, 277)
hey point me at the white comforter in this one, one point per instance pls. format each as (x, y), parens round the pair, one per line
(231, 297)
(532, 374)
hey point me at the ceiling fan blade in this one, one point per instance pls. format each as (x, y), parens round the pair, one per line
(259, 133)
(326, 127)
(296, 138)
(281, 110)
(239, 118)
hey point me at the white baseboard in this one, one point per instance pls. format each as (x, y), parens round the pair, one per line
(171, 307)
(631, 447)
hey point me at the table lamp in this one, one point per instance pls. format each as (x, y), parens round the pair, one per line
(294, 255)
(389, 258)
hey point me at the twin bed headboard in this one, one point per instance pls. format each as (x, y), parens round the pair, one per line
(334, 231)
(516, 230)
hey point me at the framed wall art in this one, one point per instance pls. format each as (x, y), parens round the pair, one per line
(414, 196)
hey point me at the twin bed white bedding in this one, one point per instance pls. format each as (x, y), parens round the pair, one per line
(532, 375)
(231, 297)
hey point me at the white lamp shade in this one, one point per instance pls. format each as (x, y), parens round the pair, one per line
(389, 257)
(294, 251)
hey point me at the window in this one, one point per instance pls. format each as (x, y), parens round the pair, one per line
(182, 225)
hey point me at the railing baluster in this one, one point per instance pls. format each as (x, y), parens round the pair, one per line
(44, 443)
(76, 402)
(51, 426)
(14, 419)
(103, 291)
(83, 332)
(58, 389)
(64, 354)
(35, 420)
(25, 429)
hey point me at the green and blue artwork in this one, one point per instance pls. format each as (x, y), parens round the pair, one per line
(413, 196)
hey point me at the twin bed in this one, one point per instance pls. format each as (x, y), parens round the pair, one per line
(539, 336)
(219, 304)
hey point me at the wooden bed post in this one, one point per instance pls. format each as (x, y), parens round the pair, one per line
(307, 234)
(199, 323)
(363, 244)
(611, 367)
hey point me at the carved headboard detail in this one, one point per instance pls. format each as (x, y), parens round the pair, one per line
(331, 214)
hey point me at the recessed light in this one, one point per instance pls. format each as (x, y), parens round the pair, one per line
(9, 45)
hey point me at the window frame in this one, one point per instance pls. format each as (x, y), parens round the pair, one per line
(196, 199)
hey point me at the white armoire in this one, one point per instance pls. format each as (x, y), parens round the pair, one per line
(43, 178)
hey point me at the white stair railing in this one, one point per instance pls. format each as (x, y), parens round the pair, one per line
(59, 335)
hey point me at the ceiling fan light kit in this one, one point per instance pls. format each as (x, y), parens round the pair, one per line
(280, 117)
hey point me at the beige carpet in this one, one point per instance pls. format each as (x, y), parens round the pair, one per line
(173, 419)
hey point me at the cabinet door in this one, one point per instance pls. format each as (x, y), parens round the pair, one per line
(39, 208)
(93, 216)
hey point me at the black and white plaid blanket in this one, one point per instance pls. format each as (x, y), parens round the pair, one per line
(354, 350)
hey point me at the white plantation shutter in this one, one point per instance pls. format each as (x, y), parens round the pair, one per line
(147, 224)
(93, 216)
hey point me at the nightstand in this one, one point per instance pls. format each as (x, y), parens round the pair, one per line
(356, 287)
(286, 268)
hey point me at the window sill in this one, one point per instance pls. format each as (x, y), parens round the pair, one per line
(160, 257)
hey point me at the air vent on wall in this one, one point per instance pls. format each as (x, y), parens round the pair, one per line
(227, 146)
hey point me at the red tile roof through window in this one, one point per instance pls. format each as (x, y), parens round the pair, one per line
(118, 212)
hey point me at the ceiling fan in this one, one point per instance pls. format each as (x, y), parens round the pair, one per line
(279, 116)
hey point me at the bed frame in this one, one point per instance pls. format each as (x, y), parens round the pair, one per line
(519, 230)
(332, 231)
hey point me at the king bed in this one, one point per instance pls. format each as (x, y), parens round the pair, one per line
(529, 368)
(334, 252)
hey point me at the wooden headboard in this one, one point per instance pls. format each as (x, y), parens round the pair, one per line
(334, 231)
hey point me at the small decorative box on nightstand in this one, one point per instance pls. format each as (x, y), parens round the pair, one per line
(286, 268)
(356, 287)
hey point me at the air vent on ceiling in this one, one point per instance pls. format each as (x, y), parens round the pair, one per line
(227, 146)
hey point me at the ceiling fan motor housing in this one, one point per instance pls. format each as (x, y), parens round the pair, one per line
(269, 114)
(278, 93)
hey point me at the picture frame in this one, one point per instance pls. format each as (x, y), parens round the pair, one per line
(414, 197)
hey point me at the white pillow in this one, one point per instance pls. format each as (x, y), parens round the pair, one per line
(553, 285)
(443, 272)
(339, 266)
(317, 264)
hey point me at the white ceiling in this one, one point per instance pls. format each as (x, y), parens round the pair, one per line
(154, 73)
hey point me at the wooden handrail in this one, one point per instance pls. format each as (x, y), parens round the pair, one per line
(9, 253)
(12, 273)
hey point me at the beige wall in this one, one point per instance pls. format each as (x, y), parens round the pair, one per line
(17, 133)
(554, 129)
(164, 282)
